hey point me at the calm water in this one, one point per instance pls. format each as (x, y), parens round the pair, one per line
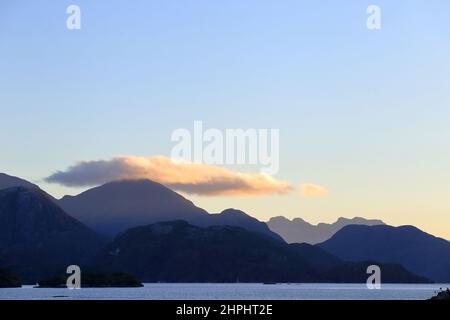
(232, 292)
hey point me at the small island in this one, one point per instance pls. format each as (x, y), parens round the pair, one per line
(442, 295)
(95, 280)
(9, 280)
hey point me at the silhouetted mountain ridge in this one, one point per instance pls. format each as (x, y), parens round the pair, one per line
(117, 206)
(37, 237)
(419, 252)
(234, 217)
(299, 231)
(179, 252)
(7, 181)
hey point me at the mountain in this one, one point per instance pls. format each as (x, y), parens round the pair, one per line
(38, 238)
(233, 217)
(299, 231)
(7, 181)
(117, 206)
(419, 252)
(179, 252)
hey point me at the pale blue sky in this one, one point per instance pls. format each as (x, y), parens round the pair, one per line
(363, 113)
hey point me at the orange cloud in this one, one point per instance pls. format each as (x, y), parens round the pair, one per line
(309, 190)
(192, 178)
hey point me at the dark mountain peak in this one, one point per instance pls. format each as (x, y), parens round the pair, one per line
(137, 188)
(7, 181)
(30, 192)
(234, 217)
(37, 236)
(137, 183)
(119, 205)
(418, 251)
(406, 230)
(29, 214)
(413, 229)
(234, 212)
(25, 192)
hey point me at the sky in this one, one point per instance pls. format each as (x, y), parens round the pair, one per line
(363, 115)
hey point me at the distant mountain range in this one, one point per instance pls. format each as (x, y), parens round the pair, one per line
(179, 252)
(117, 206)
(300, 231)
(419, 252)
(38, 238)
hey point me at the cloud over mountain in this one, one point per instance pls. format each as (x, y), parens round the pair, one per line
(191, 178)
